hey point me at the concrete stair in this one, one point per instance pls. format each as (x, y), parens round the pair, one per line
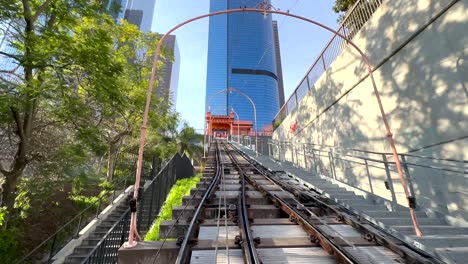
(448, 243)
(82, 251)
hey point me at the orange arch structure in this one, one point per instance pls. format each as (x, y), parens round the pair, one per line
(133, 232)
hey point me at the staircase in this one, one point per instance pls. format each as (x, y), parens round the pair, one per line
(446, 242)
(81, 252)
(101, 244)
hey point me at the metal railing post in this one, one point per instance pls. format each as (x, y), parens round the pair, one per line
(124, 230)
(408, 178)
(98, 208)
(315, 162)
(369, 177)
(113, 197)
(332, 164)
(279, 151)
(390, 182)
(298, 163)
(305, 157)
(292, 152)
(151, 204)
(52, 246)
(78, 226)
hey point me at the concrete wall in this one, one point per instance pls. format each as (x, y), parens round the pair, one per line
(424, 89)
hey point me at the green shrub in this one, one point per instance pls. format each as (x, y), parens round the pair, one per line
(180, 189)
(9, 245)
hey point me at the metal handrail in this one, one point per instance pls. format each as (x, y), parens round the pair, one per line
(348, 22)
(117, 222)
(158, 176)
(79, 216)
(273, 141)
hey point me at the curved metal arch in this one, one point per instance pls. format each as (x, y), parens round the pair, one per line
(389, 134)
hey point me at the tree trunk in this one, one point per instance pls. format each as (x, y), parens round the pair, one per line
(112, 152)
(9, 191)
(99, 168)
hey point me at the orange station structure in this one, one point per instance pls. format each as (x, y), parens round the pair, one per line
(223, 125)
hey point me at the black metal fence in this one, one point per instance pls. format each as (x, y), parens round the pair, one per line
(154, 195)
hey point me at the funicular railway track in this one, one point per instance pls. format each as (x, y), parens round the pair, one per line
(250, 215)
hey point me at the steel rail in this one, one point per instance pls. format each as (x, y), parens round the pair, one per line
(250, 252)
(325, 241)
(182, 257)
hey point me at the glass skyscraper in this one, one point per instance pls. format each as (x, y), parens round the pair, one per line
(242, 54)
(141, 14)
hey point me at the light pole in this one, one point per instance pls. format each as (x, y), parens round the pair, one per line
(255, 117)
(263, 10)
(238, 130)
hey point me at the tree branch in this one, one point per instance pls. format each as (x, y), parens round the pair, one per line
(10, 56)
(17, 118)
(40, 10)
(27, 11)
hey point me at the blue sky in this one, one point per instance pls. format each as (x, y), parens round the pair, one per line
(300, 44)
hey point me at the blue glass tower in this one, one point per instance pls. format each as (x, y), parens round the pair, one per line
(242, 55)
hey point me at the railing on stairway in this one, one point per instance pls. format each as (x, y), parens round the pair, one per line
(249, 141)
(352, 22)
(375, 172)
(154, 195)
(124, 174)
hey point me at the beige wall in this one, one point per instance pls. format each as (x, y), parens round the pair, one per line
(424, 89)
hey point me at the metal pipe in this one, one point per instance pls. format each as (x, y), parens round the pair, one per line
(133, 231)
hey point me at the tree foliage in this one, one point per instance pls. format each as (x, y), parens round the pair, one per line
(342, 6)
(71, 98)
(77, 91)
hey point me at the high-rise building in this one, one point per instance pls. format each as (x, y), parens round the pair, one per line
(243, 54)
(141, 14)
(167, 87)
(279, 68)
(137, 12)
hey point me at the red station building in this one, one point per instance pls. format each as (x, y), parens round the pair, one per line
(223, 125)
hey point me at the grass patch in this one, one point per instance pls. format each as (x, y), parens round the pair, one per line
(180, 189)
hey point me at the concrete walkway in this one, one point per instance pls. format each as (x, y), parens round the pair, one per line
(448, 243)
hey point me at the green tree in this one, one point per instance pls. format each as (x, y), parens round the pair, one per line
(64, 58)
(342, 6)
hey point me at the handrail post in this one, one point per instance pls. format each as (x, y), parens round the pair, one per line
(412, 197)
(52, 246)
(113, 197)
(369, 176)
(292, 152)
(98, 208)
(151, 203)
(315, 162)
(390, 182)
(279, 151)
(332, 164)
(78, 226)
(305, 157)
